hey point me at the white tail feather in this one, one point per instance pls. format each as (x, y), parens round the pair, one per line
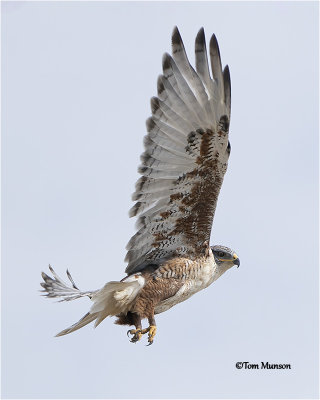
(113, 299)
(86, 319)
(55, 287)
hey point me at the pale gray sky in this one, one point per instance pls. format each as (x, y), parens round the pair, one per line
(76, 84)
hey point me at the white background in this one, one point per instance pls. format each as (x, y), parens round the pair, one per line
(77, 78)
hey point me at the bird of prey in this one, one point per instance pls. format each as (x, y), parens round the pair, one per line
(183, 165)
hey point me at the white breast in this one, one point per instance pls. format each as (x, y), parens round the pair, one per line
(208, 272)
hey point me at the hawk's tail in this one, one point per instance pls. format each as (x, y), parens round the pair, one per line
(55, 287)
(113, 299)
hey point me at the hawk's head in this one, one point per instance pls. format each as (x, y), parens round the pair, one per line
(225, 257)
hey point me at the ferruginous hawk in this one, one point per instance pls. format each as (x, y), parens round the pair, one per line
(182, 167)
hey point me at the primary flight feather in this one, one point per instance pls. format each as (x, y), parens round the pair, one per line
(186, 156)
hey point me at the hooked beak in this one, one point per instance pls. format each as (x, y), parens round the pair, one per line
(236, 260)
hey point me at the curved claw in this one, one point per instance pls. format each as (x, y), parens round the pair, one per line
(136, 335)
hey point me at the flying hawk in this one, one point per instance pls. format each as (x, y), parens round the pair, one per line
(182, 167)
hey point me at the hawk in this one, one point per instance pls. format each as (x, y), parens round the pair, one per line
(183, 165)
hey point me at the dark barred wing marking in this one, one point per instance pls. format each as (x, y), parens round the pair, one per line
(185, 158)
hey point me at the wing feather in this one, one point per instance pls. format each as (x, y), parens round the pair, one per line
(216, 65)
(227, 88)
(185, 92)
(202, 65)
(181, 59)
(176, 102)
(156, 127)
(160, 111)
(185, 158)
(157, 144)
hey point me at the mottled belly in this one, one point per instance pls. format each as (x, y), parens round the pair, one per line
(186, 291)
(183, 294)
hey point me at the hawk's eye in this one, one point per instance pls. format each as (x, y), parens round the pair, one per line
(221, 254)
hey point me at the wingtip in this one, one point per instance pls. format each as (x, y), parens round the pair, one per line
(213, 38)
(166, 61)
(200, 35)
(175, 38)
(134, 209)
(227, 87)
(175, 31)
(51, 269)
(150, 124)
(155, 104)
(160, 85)
(200, 43)
(226, 71)
(214, 46)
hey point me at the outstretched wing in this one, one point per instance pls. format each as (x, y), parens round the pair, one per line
(185, 158)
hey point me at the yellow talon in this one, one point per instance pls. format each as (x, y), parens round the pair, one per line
(152, 333)
(137, 334)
